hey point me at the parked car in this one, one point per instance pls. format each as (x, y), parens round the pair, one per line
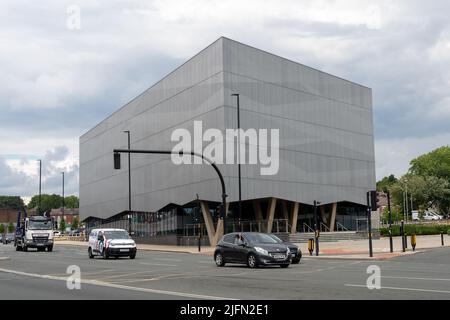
(296, 253)
(253, 249)
(57, 233)
(111, 243)
(7, 238)
(427, 216)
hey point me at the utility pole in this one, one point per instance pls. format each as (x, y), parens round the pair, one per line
(369, 223)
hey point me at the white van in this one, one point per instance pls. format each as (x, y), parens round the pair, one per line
(111, 243)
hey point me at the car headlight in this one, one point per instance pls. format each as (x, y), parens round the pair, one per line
(288, 251)
(262, 251)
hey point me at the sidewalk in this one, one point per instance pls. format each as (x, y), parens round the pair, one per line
(359, 249)
(352, 250)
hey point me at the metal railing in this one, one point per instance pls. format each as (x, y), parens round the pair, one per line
(340, 227)
(308, 228)
(324, 228)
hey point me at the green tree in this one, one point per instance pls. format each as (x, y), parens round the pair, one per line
(386, 183)
(2, 228)
(62, 225)
(11, 202)
(71, 202)
(11, 227)
(48, 202)
(75, 223)
(435, 163)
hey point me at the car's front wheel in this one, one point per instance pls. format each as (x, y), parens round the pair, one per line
(251, 261)
(220, 261)
(133, 256)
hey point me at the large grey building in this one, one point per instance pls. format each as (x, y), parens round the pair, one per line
(326, 150)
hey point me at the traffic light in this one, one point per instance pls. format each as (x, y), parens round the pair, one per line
(117, 161)
(373, 200)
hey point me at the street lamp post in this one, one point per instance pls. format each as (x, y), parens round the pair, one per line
(40, 179)
(239, 152)
(62, 193)
(129, 181)
(391, 245)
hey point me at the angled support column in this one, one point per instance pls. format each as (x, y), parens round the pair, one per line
(208, 222)
(323, 217)
(219, 233)
(271, 213)
(294, 216)
(333, 216)
(258, 211)
(285, 210)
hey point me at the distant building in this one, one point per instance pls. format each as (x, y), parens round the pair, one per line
(8, 216)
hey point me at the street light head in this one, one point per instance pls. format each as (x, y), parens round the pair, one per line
(235, 94)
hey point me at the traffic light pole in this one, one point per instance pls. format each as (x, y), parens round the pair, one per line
(117, 153)
(369, 224)
(391, 244)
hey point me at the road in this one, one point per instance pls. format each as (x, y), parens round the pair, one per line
(161, 275)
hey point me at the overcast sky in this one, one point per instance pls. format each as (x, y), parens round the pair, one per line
(58, 80)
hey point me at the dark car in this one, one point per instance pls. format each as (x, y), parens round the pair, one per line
(253, 249)
(7, 238)
(296, 253)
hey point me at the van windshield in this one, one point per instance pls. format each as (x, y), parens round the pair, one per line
(116, 234)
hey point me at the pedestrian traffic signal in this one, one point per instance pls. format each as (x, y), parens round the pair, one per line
(373, 200)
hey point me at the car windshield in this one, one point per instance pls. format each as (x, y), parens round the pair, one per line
(40, 224)
(274, 237)
(260, 238)
(117, 234)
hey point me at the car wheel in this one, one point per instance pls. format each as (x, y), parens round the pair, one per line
(133, 256)
(24, 248)
(18, 248)
(251, 261)
(91, 256)
(284, 265)
(220, 262)
(295, 261)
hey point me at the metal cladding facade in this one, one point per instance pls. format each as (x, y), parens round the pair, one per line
(325, 126)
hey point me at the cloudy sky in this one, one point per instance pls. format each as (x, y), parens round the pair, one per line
(61, 75)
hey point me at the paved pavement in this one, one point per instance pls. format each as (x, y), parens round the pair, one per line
(172, 275)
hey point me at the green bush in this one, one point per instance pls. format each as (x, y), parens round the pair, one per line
(417, 229)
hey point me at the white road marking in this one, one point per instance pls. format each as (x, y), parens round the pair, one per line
(158, 264)
(167, 259)
(118, 286)
(410, 278)
(402, 289)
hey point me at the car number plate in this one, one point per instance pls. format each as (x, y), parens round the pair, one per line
(279, 256)
(124, 250)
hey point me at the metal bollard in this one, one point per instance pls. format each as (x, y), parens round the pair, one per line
(406, 241)
(199, 243)
(311, 246)
(413, 241)
(442, 238)
(402, 234)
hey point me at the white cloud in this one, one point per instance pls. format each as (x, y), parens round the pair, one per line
(56, 83)
(393, 156)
